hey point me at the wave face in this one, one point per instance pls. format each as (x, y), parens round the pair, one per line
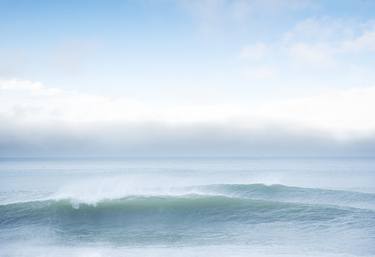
(188, 208)
(160, 219)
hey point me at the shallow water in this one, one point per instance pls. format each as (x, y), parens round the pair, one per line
(187, 207)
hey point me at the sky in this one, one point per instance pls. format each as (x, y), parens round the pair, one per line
(187, 77)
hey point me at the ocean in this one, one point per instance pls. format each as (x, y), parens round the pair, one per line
(103, 207)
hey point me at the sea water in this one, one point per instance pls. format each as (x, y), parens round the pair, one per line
(187, 207)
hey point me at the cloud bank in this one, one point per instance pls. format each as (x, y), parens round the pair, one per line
(40, 120)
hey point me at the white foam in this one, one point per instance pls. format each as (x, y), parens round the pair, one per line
(92, 191)
(198, 251)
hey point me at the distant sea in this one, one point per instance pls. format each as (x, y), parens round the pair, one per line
(103, 207)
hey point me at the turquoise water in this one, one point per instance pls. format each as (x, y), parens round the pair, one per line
(187, 207)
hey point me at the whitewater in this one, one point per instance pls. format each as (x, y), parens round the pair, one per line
(187, 207)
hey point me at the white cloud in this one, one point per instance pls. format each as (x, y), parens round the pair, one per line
(254, 52)
(213, 14)
(329, 37)
(259, 73)
(316, 55)
(318, 40)
(337, 112)
(38, 103)
(38, 119)
(322, 29)
(33, 102)
(364, 42)
(343, 113)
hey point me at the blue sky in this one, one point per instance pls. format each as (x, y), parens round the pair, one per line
(236, 64)
(121, 43)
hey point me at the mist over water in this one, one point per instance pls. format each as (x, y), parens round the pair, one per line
(187, 207)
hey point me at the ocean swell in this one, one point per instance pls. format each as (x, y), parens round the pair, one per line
(168, 209)
(225, 212)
